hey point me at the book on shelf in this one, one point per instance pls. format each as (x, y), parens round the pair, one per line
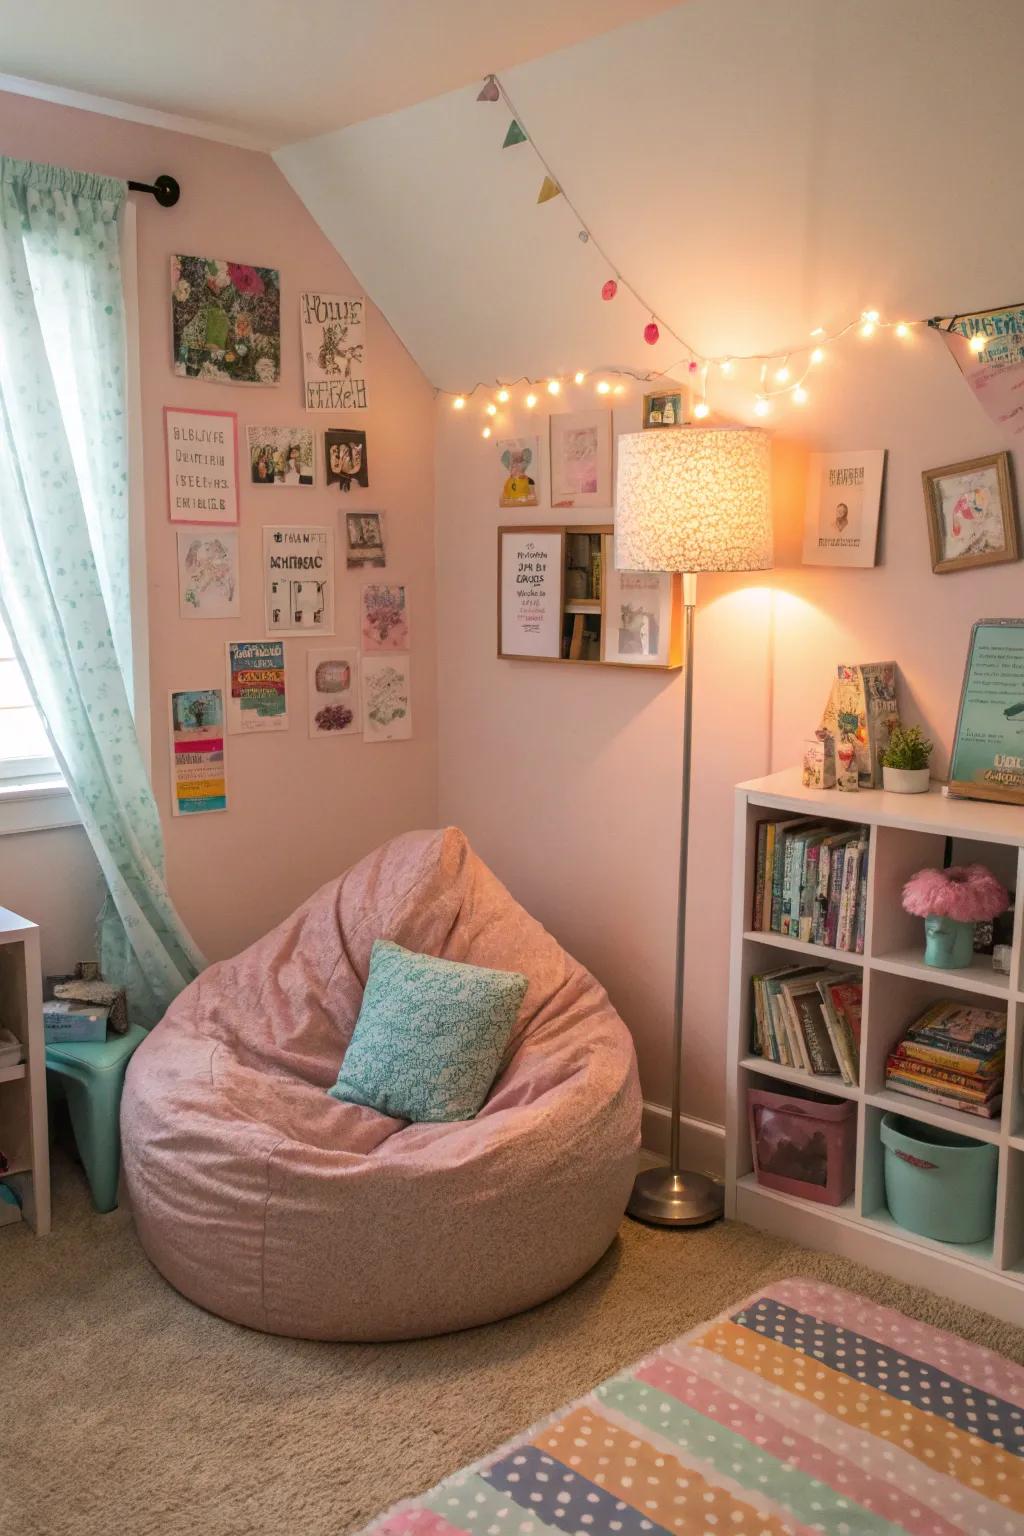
(810, 883)
(841, 998)
(791, 1026)
(954, 1054)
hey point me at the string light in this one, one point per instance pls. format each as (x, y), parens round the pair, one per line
(819, 330)
(701, 409)
(553, 387)
(531, 401)
(492, 409)
(868, 328)
(620, 389)
(818, 356)
(726, 366)
(903, 330)
(978, 343)
(800, 395)
(459, 403)
(503, 396)
(782, 375)
(486, 432)
(762, 406)
(603, 387)
(579, 376)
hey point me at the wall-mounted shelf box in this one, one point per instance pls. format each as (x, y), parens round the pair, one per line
(907, 833)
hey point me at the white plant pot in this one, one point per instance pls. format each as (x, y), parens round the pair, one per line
(906, 781)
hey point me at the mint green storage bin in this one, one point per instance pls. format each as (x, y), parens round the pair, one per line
(938, 1183)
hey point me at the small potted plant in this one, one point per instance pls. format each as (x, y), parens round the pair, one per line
(905, 761)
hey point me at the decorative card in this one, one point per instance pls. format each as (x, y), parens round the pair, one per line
(387, 710)
(208, 574)
(844, 498)
(333, 692)
(385, 618)
(519, 459)
(225, 321)
(197, 752)
(364, 540)
(333, 347)
(256, 698)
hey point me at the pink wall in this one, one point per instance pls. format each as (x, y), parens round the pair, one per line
(299, 810)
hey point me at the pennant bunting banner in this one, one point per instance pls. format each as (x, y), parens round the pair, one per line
(548, 190)
(515, 135)
(490, 90)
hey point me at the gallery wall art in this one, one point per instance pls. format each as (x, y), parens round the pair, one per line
(202, 465)
(298, 580)
(387, 708)
(256, 697)
(197, 752)
(280, 456)
(345, 459)
(225, 321)
(333, 351)
(333, 693)
(208, 573)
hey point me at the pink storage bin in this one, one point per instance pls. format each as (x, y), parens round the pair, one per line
(803, 1143)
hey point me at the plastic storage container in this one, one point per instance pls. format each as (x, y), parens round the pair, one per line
(938, 1183)
(803, 1143)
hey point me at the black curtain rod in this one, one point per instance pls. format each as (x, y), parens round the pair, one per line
(165, 189)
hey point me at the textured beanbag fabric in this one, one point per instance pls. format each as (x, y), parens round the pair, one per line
(265, 1200)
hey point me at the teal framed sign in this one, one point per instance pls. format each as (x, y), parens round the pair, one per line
(988, 748)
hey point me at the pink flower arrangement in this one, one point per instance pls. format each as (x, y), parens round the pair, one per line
(245, 279)
(967, 893)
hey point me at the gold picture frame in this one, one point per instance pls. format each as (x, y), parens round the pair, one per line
(971, 508)
(678, 398)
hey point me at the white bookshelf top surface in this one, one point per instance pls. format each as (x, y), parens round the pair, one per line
(932, 812)
(14, 927)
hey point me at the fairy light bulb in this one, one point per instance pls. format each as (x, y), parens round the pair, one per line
(978, 343)
(868, 328)
(531, 401)
(603, 387)
(701, 410)
(459, 403)
(492, 409)
(819, 330)
(818, 356)
(579, 376)
(800, 395)
(726, 367)
(503, 396)
(903, 330)
(871, 315)
(782, 375)
(620, 389)
(554, 387)
(762, 406)
(486, 432)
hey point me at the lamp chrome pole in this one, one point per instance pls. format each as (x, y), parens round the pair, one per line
(670, 1197)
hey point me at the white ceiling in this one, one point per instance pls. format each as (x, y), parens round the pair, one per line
(274, 71)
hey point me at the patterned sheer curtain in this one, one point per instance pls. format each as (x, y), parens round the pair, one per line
(64, 547)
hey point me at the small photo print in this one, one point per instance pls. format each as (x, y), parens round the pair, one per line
(280, 455)
(385, 618)
(364, 540)
(345, 457)
(387, 710)
(208, 573)
(333, 693)
(518, 458)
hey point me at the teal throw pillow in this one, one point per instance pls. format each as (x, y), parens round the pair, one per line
(430, 1035)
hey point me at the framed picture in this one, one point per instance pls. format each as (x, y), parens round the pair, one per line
(844, 498)
(531, 575)
(581, 459)
(666, 408)
(988, 747)
(972, 513)
(364, 540)
(637, 629)
(202, 466)
(280, 455)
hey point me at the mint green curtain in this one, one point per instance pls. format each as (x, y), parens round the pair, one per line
(64, 546)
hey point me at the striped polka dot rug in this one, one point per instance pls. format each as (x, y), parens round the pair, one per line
(804, 1410)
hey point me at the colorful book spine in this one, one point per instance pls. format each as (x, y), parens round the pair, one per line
(848, 896)
(988, 1111)
(835, 891)
(809, 891)
(769, 864)
(759, 872)
(821, 894)
(954, 1060)
(860, 926)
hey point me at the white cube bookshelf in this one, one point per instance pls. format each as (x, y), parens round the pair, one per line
(907, 833)
(23, 1120)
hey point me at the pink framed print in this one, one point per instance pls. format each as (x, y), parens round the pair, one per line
(202, 466)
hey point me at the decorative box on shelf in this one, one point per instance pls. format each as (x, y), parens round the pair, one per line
(560, 598)
(894, 987)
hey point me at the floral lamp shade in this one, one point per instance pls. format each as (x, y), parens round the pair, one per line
(694, 499)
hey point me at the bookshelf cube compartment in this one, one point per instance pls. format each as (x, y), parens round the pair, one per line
(817, 1041)
(899, 854)
(763, 898)
(896, 1001)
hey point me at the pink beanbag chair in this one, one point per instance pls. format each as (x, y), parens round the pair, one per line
(266, 1201)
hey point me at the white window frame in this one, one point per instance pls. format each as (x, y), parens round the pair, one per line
(33, 794)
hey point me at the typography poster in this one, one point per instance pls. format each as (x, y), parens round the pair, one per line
(197, 752)
(844, 498)
(333, 352)
(256, 697)
(530, 591)
(298, 580)
(202, 465)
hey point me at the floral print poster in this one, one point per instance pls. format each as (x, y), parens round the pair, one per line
(385, 618)
(387, 710)
(226, 321)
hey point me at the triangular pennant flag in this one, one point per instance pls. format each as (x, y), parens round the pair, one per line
(549, 189)
(490, 90)
(515, 135)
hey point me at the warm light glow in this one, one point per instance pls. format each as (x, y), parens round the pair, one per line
(871, 315)
(819, 330)
(620, 389)
(903, 329)
(818, 355)
(492, 409)
(800, 395)
(727, 366)
(531, 401)
(782, 375)
(701, 409)
(604, 387)
(579, 376)
(762, 406)
(553, 387)
(868, 328)
(486, 432)
(458, 403)
(503, 396)
(978, 343)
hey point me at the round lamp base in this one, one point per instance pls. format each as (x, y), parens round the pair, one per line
(666, 1199)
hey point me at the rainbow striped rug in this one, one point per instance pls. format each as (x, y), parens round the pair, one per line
(805, 1410)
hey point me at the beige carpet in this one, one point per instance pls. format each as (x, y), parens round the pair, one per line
(125, 1411)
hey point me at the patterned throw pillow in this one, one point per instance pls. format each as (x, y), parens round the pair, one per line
(429, 1037)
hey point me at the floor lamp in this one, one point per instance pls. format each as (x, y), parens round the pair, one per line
(689, 499)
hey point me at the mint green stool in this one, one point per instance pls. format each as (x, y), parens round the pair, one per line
(90, 1075)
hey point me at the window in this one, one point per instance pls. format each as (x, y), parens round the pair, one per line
(24, 749)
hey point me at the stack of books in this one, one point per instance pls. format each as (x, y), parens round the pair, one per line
(953, 1055)
(809, 1019)
(811, 882)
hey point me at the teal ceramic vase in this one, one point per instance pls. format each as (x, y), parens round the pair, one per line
(947, 943)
